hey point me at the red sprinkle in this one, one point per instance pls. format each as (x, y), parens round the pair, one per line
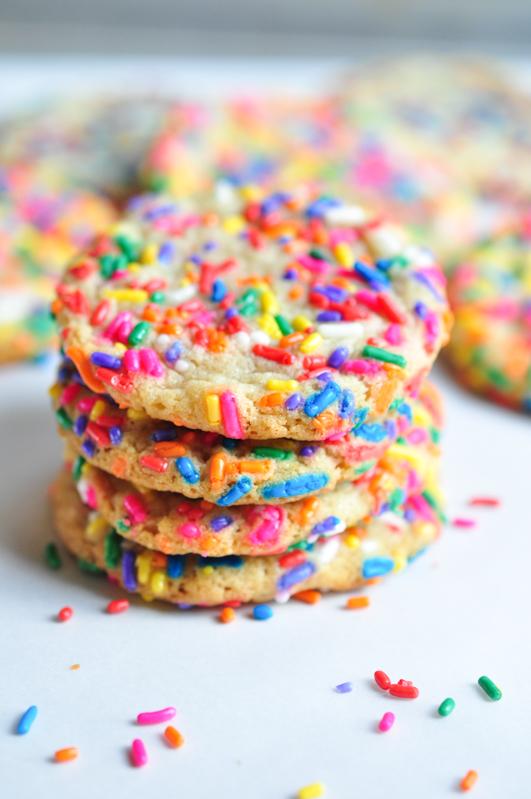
(490, 502)
(119, 382)
(382, 680)
(117, 606)
(65, 614)
(100, 313)
(464, 523)
(404, 691)
(294, 558)
(98, 434)
(154, 463)
(273, 354)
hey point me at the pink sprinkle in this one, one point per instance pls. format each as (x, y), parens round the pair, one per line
(135, 508)
(148, 360)
(112, 329)
(138, 753)
(70, 393)
(464, 523)
(388, 719)
(86, 404)
(361, 367)
(157, 717)
(490, 502)
(393, 335)
(271, 519)
(417, 436)
(90, 498)
(124, 331)
(369, 299)
(229, 412)
(314, 265)
(189, 530)
(131, 361)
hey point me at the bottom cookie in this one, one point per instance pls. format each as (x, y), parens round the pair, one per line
(337, 563)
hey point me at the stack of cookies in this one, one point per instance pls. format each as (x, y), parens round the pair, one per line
(243, 397)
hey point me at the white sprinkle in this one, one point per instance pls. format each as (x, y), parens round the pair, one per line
(225, 194)
(369, 546)
(181, 366)
(340, 329)
(282, 597)
(339, 528)
(346, 215)
(243, 340)
(392, 520)
(386, 241)
(181, 295)
(162, 342)
(259, 337)
(420, 255)
(326, 552)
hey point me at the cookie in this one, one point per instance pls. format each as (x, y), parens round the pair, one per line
(271, 319)
(174, 524)
(490, 292)
(338, 563)
(164, 457)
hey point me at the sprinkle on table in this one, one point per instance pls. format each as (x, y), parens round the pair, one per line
(490, 688)
(156, 716)
(173, 737)
(382, 680)
(53, 559)
(65, 614)
(311, 791)
(262, 612)
(118, 606)
(489, 502)
(446, 707)
(461, 522)
(386, 722)
(468, 781)
(70, 753)
(344, 688)
(138, 753)
(227, 615)
(27, 720)
(358, 602)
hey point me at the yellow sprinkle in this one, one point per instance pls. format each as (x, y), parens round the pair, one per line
(421, 416)
(352, 541)
(425, 528)
(213, 409)
(158, 583)
(311, 791)
(99, 407)
(136, 416)
(55, 391)
(251, 192)
(149, 253)
(405, 453)
(143, 565)
(120, 348)
(134, 268)
(311, 343)
(301, 323)
(343, 254)
(269, 325)
(126, 295)
(96, 529)
(269, 302)
(208, 570)
(233, 224)
(282, 385)
(400, 562)
(147, 597)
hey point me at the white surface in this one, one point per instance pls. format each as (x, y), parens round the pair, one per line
(256, 700)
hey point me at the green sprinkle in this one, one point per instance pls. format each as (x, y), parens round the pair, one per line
(250, 296)
(383, 355)
(446, 707)
(249, 310)
(89, 567)
(64, 419)
(53, 558)
(113, 550)
(128, 247)
(401, 440)
(138, 333)
(498, 378)
(364, 468)
(396, 498)
(319, 254)
(107, 265)
(122, 526)
(435, 435)
(157, 296)
(272, 452)
(78, 467)
(490, 688)
(432, 502)
(159, 182)
(284, 325)
(395, 403)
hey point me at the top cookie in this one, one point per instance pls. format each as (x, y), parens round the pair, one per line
(254, 319)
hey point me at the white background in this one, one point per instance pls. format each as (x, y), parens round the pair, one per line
(256, 700)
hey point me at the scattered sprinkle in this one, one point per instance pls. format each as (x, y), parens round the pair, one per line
(138, 753)
(173, 736)
(27, 720)
(382, 680)
(387, 721)
(404, 690)
(489, 502)
(358, 602)
(468, 781)
(227, 615)
(70, 753)
(117, 606)
(262, 612)
(310, 791)
(344, 687)
(157, 716)
(490, 688)
(65, 614)
(446, 707)
(460, 522)
(53, 559)
(310, 597)
(75, 666)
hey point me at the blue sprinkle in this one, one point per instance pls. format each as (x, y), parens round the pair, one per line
(173, 352)
(346, 404)
(175, 566)
(88, 448)
(359, 417)
(219, 291)
(186, 468)
(116, 435)
(372, 432)
(344, 687)
(375, 567)
(334, 293)
(307, 452)
(326, 526)
(330, 316)
(229, 443)
(293, 402)
(230, 313)
(405, 410)
(373, 277)
(296, 575)
(421, 309)
(296, 486)
(234, 561)
(128, 570)
(80, 425)
(63, 374)
(220, 522)
(159, 211)
(166, 253)
(317, 403)
(321, 206)
(384, 264)
(242, 487)
(27, 720)
(184, 605)
(103, 359)
(209, 245)
(164, 434)
(338, 357)
(262, 612)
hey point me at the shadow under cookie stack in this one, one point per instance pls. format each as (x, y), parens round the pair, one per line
(243, 398)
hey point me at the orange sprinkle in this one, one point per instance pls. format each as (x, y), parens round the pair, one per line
(468, 781)
(70, 753)
(309, 596)
(57, 306)
(119, 467)
(189, 438)
(308, 510)
(326, 421)
(170, 329)
(174, 737)
(291, 339)
(158, 560)
(169, 449)
(255, 467)
(373, 580)
(358, 602)
(296, 293)
(271, 400)
(75, 666)
(227, 615)
(85, 369)
(210, 219)
(151, 314)
(209, 543)
(217, 469)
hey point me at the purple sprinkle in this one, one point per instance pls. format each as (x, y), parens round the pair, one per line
(209, 245)
(220, 522)
(344, 687)
(172, 354)
(326, 526)
(325, 377)
(307, 452)
(195, 259)
(183, 606)
(293, 402)
(424, 279)
(410, 515)
(421, 309)
(80, 425)
(164, 434)
(103, 359)
(296, 575)
(334, 293)
(290, 274)
(330, 316)
(230, 313)
(338, 357)
(88, 448)
(115, 434)
(166, 253)
(128, 570)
